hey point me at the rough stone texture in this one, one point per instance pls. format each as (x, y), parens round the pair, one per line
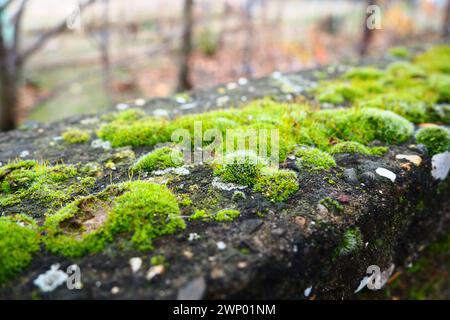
(272, 250)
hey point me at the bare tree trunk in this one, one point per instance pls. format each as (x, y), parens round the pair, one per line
(368, 33)
(8, 84)
(104, 52)
(184, 81)
(446, 22)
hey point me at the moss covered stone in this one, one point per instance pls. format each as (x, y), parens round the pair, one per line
(75, 136)
(436, 139)
(277, 185)
(19, 239)
(159, 159)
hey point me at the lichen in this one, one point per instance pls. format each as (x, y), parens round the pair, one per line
(312, 159)
(277, 185)
(435, 138)
(75, 136)
(159, 159)
(19, 240)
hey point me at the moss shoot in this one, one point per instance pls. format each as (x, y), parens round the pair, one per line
(436, 139)
(351, 242)
(226, 215)
(277, 185)
(19, 240)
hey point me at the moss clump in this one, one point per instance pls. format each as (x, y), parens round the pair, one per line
(332, 204)
(159, 159)
(356, 147)
(399, 52)
(338, 94)
(313, 159)
(201, 215)
(144, 132)
(364, 73)
(47, 185)
(440, 83)
(436, 139)
(226, 215)
(241, 167)
(365, 125)
(351, 241)
(19, 239)
(140, 209)
(158, 260)
(74, 136)
(277, 185)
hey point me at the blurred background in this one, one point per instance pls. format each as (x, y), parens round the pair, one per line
(61, 58)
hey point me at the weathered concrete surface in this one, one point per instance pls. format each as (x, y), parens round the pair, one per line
(272, 250)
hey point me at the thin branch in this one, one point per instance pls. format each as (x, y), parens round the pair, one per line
(61, 27)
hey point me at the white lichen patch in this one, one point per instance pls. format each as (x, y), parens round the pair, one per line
(226, 186)
(440, 165)
(193, 236)
(51, 279)
(221, 245)
(180, 171)
(307, 292)
(100, 144)
(386, 174)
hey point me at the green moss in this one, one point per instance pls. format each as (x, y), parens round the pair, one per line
(436, 139)
(364, 73)
(158, 260)
(399, 52)
(332, 204)
(159, 159)
(403, 69)
(313, 159)
(185, 200)
(226, 215)
(356, 147)
(74, 136)
(440, 83)
(137, 210)
(338, 93)
(277, 185)
(241, 167)
(351, 242)
(19, 240)
(435, 59)
(50, 186)
(238, 195)
(365, 125)
(201, 215)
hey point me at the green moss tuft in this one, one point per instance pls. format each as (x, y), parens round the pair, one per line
(19, 239)
(356, 147)
(74, 136)
(201, 215)
(159, 159)
(241, 167)
(139, 209)
(313, 159)
(277, 185)
(338, 94)
(332, 204)
(351, 241)
(364, 73)
(400, 52)
(226, 215)
(436, 139)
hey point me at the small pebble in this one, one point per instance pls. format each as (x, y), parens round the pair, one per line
(135, 264)
(221, 245)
